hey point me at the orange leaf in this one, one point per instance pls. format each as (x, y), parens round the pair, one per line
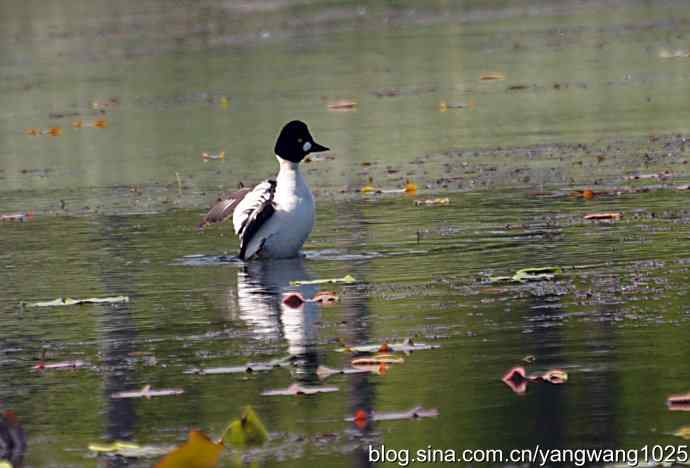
(198, 452)
(55, 131)
(100, 123)
(410, 187)
(32, 131)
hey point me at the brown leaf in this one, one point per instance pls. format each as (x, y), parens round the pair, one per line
(613, 216)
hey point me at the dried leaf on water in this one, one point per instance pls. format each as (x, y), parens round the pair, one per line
(347, 279)
(679, 402)
(198, 452)
(342, 105)
(60, 365)
(433, 202)
(326, 297)
(297, 389)
(369, 187)
(554, 376)
(415, 413)
(213, 157)
(246, 431)
(405, 346)
(376, 360)
(657, 176)
(18, 217)
(293, 299)
(324, 372)
(128, 449)
(445, 106)
(683, 432)
(247, 368)
(492, 76)
(529, 274)
(611, 216)
(148, 392)
(516, 379)
(68, 301)
(410, 187)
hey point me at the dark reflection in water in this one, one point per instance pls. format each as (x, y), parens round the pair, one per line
(362, 392)
(260, 288)
(118, 333)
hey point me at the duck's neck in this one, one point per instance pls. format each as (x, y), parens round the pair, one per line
(290, 182)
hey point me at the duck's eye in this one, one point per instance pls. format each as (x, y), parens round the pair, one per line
(299, 140)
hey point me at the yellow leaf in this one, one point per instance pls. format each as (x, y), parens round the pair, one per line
(245, 431)
(198, 452)
(369, 187)
(410, 187)
(116, 446)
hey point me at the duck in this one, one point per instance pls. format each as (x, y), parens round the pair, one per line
(274, 218)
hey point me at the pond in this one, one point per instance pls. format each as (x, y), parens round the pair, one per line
(586, 113)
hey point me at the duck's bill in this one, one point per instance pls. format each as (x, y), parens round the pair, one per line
(317, 148)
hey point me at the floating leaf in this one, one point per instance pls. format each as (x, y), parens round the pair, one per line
(55, 131)
(410, 187)
(536, 274)
(60, 365)
(247, 368)
(378, 369)
(444, 106)
(377, 359)
(683, 432)
(529, 359)
(224, 102)
(128, 449)
(32, 131)
(68, 301)
(324, 372)
(529, 274)
(100, 123)
(493, 76)
(658, 176)
(679, 402)
(248, 430)
(405, 346)
(612, 216)
(326, 297)
(342, 105)
(516, 379)
(198, 452)
(297, 389)
(433, 202)
(19, 217)
(555, 376)
(213, 157)
(347, 279)
(293, 300)
(415, 413)
(369, 188)
(147, 392)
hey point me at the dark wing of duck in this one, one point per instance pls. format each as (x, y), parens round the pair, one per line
(253, 211)
(224, 208)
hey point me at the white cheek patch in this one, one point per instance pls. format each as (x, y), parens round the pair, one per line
(306, 147)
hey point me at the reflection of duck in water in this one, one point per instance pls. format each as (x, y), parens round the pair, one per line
(260, 287)
(274, 218)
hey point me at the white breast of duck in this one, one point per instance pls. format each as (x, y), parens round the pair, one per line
(283, 235)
